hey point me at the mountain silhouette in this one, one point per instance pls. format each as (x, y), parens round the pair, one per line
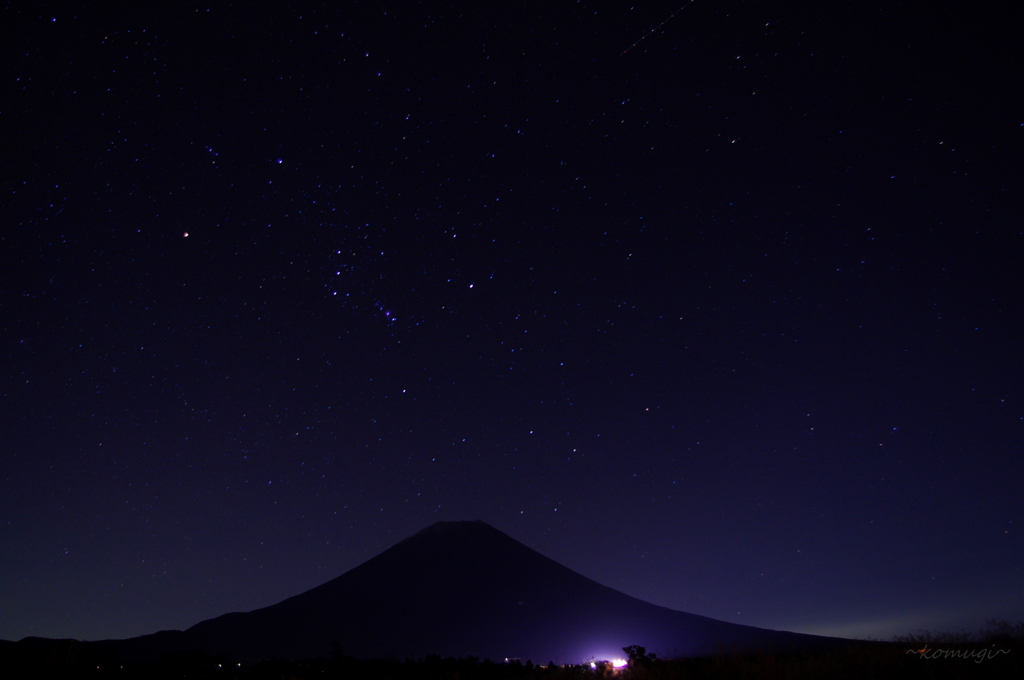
(461, 589)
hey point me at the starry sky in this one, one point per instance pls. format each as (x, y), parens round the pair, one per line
(723, 312)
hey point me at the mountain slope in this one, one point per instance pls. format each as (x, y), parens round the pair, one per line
(459, 589)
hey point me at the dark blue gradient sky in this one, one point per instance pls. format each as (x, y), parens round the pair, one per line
(731, 322)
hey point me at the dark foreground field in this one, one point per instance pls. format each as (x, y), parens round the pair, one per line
(996, 659)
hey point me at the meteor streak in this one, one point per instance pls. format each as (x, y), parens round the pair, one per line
(644, 36)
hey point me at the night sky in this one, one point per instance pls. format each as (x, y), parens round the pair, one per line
(730, 321)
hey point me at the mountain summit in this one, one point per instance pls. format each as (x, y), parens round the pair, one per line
(461, 589)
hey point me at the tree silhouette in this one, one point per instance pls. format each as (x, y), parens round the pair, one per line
(638, 655)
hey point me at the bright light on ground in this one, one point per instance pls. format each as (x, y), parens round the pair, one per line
(619, 663)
